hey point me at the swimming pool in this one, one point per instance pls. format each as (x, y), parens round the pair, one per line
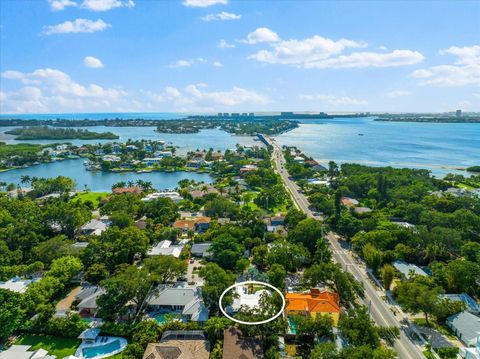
(162, 318)
(292, 326)
(98, 350)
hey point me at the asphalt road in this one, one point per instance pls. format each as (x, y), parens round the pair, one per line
(379, 310)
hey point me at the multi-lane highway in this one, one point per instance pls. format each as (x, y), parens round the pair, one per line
(379, 310)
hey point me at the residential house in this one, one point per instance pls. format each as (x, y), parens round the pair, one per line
(198, 224)
(182, 299)
(89, 336)
(201, 249)
(195, 163)
(466, 327)
(163, 154)
(236, 346)
(165, 248)
(471, 353)
(362, 210)
(202, 224)
(349, 202)
(246, 169)
(278, 220)
(94, 227)
(151, 161)
(174, 196)
(408, 270)
(179, 344)
(22, 352)
(246, 297)
(124, 190)
(111, 158)
(18, 285)
(299, 159)
(313, 303)
(87, 300)
(470, 304)
(199, 193)
(318, 182)
(61, 147)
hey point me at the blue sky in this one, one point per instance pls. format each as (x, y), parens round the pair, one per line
(224, 55)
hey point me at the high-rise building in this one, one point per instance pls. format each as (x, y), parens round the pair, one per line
(458, 113)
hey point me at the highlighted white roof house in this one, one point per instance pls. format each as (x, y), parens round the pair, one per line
(165, 248)
(243, 299)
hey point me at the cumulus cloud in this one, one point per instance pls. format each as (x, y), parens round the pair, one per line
(465, 70)
(75, 27)
(92, 62)
(195, 96)
(321, 52)
(260, 35)
(52, 90)
(304, 51)
(333, 100)
(186, 63)
(57, 5)
(223, 44)
(221, 16)
(217, 64)
(203, 3)
(398, 93)
(105, 5)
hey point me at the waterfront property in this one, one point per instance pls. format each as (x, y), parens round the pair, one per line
(94, 346)
(314, 303)
(179, 344)
(179, 299)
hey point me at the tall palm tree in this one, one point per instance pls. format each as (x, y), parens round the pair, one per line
(25, 179)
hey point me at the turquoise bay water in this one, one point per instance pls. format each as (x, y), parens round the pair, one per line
(99, 181)
(441, 148)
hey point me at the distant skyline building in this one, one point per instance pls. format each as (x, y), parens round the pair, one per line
(458, 113)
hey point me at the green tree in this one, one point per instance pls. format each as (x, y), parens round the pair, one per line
(471, 251)
(307, 232)
(387, 273)
(276, 276)
(326, 350)
(164, 269)
(216, 281)
(372, 256)
(96, 273)
(358, 328)
(226, 251)
(11, 313)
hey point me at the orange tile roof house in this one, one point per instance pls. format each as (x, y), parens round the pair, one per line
(198, 223)
(122, 190)
(313, 303)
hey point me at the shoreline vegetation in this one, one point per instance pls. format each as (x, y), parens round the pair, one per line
(48, 133)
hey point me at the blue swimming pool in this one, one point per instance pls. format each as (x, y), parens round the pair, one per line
(92, 352)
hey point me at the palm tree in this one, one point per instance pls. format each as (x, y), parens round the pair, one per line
(204, 189)
(25, 179)
(130, 184)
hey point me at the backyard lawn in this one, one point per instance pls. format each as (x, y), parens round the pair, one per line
(59, 346)
(91, 196)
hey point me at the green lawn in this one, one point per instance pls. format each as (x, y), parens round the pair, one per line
(61, 347)
(91, 196)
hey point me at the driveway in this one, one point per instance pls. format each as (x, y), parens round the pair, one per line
(193, 277)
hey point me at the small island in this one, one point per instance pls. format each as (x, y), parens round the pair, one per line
(234, 126)
(48, 133)
(429, 119)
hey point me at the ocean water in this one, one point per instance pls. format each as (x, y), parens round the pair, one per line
(441, 148)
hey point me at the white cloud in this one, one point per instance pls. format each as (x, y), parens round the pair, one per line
(304, 51)
(333, 100)
(203, 3)
(221, 16)
(465, 71)
(76, 26)
(187, 63)
(217, 64)
(225, 45)
(369, 59)
(105, 5)
(52, 90)
(194, 97)
(261, 34)
(57, 5)
(92, 62)
(398, 93)
(321, 52)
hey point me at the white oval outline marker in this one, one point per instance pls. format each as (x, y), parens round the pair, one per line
(251, 282)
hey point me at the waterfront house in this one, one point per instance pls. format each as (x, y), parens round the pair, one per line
(151, 161)
(195, 163)
(313, 303)
(237, 346)
(165, 248)
(246, 169)
(18, 285)
(299, 159)
(466, 327)
(179, 344)
(87, 300)
(94, 227)
(408, 270)
(201, 249)
(198, 193)
(163, 154)
(22, 352)
(182, 299)
(470, 304)
(124, 190)
(111, 158)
